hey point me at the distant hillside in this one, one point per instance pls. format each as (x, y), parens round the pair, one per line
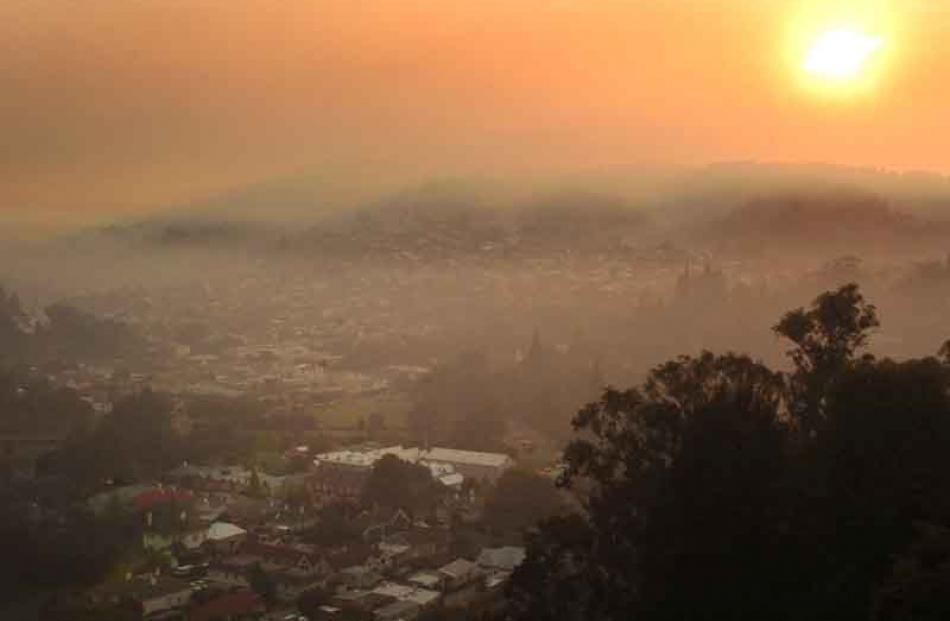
(190, 232)
(713, 191)
(829, 218)
(731, 206)
(435, 223)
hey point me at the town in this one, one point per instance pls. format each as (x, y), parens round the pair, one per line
(368, 532)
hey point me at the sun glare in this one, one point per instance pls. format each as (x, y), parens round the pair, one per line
(841, 54)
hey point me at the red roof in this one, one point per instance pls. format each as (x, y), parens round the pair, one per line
(229, 605)
(156, 496)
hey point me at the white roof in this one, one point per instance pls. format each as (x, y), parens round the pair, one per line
(473, 458)
(496, 579)
(458, 568)
(436, 458)
(425, 579)
(506, 558)
(366, 458)
(423, 597)
(224, 530)
(451, 480)
(393, 549)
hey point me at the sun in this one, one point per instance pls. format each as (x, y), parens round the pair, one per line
(841, 54)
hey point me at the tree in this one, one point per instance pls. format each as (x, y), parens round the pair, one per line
(397, 484)
(336, 526)
(309, 602)
(918, 585)
(882, 468)
(255, 486)
(826, 338)
(705, 499)
(33, 405)
(521, 499)
(134, 442)
(560, 579)
(75, 334)
(686, 475)
(262, 583)
(944, 352)
(14, 341)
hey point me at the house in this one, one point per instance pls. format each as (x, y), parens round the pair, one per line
(279, 485)
(462, 583)
(283, 556)
(335, 481)
(395, 522)
(500, 559)
(358, 600)
(233, 570)
(397, 611)
(247, 511)
(332, 613)
(424, 543)
(355, 555)
(224, 537)
(359, 577)
(426, 580)
(459, 573)
(234, 606)
(189, 540)
(393, 555)
(342, 474)
(292, 582)
(402, 592)
(294, 569)
(151, 498)
(213, 478)
(149, 594)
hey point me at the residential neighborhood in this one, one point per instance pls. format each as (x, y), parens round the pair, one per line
(228, 542)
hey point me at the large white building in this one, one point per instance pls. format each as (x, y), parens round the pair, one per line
(450, 466)
(474, 465)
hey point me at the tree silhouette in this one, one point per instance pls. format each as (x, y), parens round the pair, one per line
(826, 338)
(397, 484)
(720, 489)
(520, 499)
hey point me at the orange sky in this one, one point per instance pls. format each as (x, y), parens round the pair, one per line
(123, 105)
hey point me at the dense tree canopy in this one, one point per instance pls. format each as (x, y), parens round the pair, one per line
(133, 442)
(520, 499)
(31, 405)
(398, 484)
(720, 489)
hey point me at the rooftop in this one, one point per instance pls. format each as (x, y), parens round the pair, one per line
(425, 579)
(439, 460)
(459, 568)
(219, 531)
(506, 558)
(473, 458)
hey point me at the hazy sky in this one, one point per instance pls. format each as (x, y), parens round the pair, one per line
(123, 105)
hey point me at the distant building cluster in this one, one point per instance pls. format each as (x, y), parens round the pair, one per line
(229, 529)
(343, 472)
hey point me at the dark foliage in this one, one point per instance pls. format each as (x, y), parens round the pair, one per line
(397, 484)
(519, 500)
(720, 489)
